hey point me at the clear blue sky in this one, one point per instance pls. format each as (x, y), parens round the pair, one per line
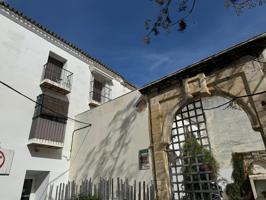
(113, 31)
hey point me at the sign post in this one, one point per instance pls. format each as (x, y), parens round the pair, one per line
(2, 159)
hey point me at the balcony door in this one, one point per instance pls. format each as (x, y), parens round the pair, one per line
(53, 69)
(97, 90)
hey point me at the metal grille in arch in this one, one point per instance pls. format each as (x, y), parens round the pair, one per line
(192, 175)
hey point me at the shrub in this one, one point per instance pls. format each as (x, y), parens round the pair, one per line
(240, 188)
(87, 197)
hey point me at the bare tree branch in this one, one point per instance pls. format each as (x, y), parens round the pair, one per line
(165, 20)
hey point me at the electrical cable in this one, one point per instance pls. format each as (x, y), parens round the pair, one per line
(259, 61)
(27, 97)
(233, 99)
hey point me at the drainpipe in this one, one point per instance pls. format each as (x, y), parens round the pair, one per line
(89, 125)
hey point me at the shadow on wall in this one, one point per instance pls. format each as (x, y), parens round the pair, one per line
(238, 83)
(107, 157)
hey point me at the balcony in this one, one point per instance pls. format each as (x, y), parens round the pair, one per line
(46, 132)
(99, 94)
(56, 78)
(49, 122)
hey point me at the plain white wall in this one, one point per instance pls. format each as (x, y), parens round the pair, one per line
(109, 148)
(23, 54)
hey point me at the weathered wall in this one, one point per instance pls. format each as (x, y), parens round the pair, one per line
(109, 148)
(229, 131)
(241, 77)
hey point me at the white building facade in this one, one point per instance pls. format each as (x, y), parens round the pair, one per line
(61, 78)
(52, 132)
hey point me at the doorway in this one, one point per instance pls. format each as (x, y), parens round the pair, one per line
(26, 191)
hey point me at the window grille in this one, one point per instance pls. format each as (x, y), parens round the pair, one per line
(192, 178)
(100, 91)
(53, 70)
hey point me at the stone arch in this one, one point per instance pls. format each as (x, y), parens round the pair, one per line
(169, 96)
(170, 105)
(169, 117)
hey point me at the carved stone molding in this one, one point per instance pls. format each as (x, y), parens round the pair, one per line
(196, 85)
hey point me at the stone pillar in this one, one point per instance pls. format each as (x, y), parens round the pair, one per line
(160, 156)
(260, 103)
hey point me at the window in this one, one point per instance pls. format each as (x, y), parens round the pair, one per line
(100, 90)
(144, 159)
(53, 69)
(55, 76)
(97, 90)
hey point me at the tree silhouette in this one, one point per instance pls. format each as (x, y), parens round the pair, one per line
(175, 13)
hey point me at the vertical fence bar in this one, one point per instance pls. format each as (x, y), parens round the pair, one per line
(139, 191)
(56, 194)
(131, 193)
(105, 189)
(135, 190)
(112, 188)
(148, 192)
(118, 188)
(50, 192)
(127, 189)
(60, 188)
(66, 189)
(63, 192)
(144, 197)
(122, 189)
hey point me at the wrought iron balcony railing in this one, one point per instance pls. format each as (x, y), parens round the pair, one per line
(57, 78)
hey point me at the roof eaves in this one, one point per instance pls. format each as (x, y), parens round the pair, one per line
(189, 67)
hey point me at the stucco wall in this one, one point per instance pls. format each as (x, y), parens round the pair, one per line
(229, 131)
(109, 148)
(23, 54)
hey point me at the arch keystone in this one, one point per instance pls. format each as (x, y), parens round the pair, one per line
(196, 85)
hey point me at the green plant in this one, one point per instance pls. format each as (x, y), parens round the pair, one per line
(87, 197)
(191, 148)
(198, 159)
(240, 188)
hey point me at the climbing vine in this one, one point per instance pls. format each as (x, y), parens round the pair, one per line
(240, 188)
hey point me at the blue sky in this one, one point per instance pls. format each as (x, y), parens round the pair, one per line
(113, 31)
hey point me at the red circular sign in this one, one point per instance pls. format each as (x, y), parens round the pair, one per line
(2, 159)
